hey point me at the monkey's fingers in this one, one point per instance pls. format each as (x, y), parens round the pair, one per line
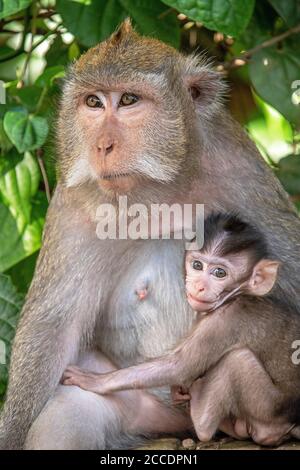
(71, 381)
(70, 374)
(181, 400)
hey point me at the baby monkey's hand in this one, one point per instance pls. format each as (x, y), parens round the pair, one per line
(85, 379)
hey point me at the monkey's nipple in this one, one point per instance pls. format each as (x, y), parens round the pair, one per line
(141, 293)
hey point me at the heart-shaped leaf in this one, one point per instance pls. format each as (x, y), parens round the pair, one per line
(27, 132)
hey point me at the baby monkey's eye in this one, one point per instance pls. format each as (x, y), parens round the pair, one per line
(92, 101)
(127, 99)
(196, 264)
(219, 272)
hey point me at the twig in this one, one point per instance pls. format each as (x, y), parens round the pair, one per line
(41, 100)
(234, 62)
(39, 154)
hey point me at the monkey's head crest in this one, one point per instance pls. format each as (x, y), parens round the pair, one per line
(123, 30)
(126, 49)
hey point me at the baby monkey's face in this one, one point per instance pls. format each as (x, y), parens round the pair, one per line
(210, 278)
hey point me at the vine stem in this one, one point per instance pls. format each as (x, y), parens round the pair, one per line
(39, 154)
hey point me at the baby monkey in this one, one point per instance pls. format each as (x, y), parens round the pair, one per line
(237, 360)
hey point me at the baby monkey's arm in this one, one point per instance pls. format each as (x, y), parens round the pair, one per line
(209, 341)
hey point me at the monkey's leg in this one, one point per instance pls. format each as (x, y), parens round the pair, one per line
(238, 386)
(77, 419)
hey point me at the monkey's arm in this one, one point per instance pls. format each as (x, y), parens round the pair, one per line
(47, 336)
(203, 348)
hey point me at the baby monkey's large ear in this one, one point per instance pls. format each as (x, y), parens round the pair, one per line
(263, 277)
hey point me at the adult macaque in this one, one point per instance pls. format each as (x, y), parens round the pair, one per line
(136, 118)
(224, 283)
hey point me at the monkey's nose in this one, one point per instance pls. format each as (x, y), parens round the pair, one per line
(105, 149)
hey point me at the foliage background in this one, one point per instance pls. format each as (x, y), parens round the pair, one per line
(256, 46)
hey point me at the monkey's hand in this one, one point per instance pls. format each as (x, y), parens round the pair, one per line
(179, 394)
(86, 380)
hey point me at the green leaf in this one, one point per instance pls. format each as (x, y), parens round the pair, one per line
(10, 7)
(10, 305)
(49, 75)
(289, 10)
(19, 185)
(150, 20)
(91, 23)
(27, 132)
(273, 72)
(228, 16)
(22, 212)
(288, 172)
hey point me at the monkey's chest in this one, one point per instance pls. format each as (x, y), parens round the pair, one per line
(147, 311)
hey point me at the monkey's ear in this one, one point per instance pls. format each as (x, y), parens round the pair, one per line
(206, 88)
(263, 277)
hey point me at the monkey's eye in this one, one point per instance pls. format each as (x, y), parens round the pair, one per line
(127, 99)
(196, 264)
(92, 101)
(219, 272)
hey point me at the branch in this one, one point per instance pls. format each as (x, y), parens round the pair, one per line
(39, 154)
(240, 60)
(43, 15)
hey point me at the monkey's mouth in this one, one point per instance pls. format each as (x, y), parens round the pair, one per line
(114, 176)
(200, 301)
